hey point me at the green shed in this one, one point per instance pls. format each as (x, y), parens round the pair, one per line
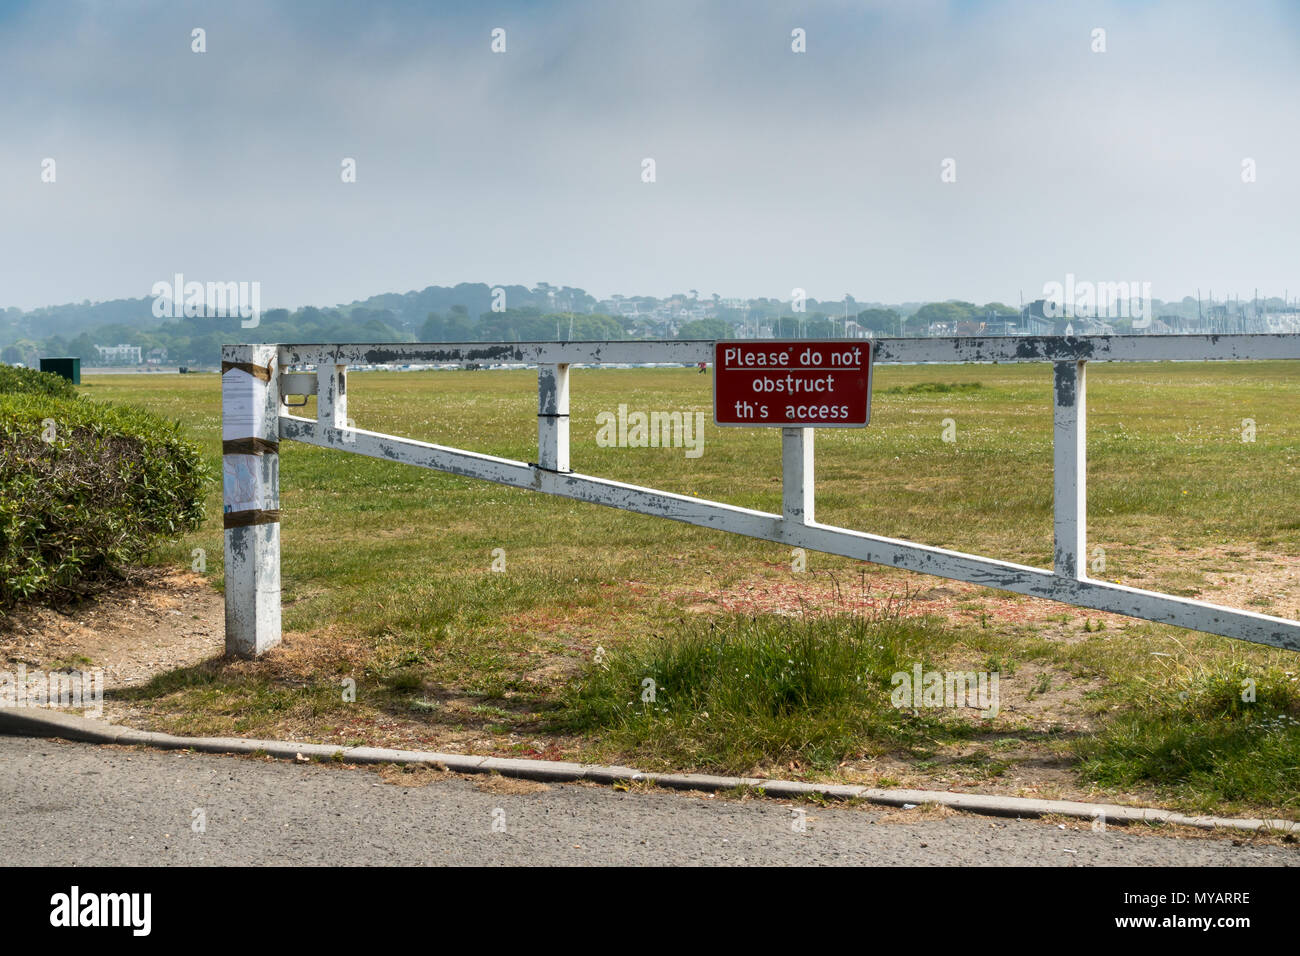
(69, 368)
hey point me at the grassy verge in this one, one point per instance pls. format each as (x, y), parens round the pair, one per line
(732, 694)
(1217, 734)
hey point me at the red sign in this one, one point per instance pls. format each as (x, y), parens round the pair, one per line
(802, 384)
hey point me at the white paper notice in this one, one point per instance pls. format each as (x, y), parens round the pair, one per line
(241, 483)
(243, 405)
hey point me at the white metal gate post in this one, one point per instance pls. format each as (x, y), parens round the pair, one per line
(553, 417)
(1070, 468)
(332, 396)
(797, 475)
(250, 472)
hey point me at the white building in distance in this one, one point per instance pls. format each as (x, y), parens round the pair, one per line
(119, 354)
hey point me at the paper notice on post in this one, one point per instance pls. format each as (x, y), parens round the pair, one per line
(243, 405)
(241, 484)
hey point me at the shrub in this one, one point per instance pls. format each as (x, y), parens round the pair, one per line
(110, 483)
(25, 381)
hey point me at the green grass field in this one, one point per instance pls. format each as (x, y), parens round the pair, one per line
(387, 579)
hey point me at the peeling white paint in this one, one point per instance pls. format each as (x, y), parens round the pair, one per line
(891, 351)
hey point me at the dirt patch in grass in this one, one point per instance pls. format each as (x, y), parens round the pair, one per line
(1243, 577)
(159, 621)
(881, 591)
(1239, 576)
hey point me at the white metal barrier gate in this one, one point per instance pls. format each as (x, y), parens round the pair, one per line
(255, 379)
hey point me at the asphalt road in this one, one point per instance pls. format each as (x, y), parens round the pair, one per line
(67, 804)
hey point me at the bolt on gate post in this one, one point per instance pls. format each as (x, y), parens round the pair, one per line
(250, 485)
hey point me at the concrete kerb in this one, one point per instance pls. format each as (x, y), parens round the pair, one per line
(50, 723)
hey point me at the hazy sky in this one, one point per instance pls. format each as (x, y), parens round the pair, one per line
(775, 169)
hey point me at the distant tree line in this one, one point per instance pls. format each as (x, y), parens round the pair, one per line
(479, 312)
(198, 341)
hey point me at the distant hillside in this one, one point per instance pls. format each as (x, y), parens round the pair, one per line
(76, 328)
(410, 309)
(471, 312)
(75, 317)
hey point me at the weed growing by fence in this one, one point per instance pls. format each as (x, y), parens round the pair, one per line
(731, 693)
(1224, 733)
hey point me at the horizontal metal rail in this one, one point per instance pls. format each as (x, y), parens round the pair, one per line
(256, 378)
(891, 351)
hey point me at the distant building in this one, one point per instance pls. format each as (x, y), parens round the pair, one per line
(1034, 319)
(1000, 323)
(119, 354)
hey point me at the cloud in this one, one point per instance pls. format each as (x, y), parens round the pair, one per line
(774, 169)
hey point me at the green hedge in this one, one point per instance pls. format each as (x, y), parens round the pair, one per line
(108, 484)
(26, 380)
